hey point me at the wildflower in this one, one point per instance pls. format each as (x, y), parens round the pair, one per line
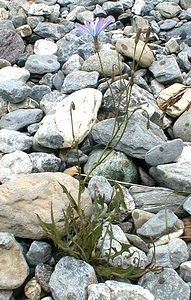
(94, 28)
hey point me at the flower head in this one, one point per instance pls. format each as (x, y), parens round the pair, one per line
(94, 28)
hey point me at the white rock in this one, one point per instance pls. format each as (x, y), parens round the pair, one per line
(186, 154)
(16, 73)
(138, 6)
(45, 47)
(14, 163)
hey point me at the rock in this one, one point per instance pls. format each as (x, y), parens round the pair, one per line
(39, 252)
(168, 24)
(185, 271)
(32, 289)
(44, 162)
(112, 8)
(78, 80)
(137, 241)
(41, 64)
(12, 263)
(168, 9)
(140, 23)
(181, 105)
(110, 62)
(186, 153)
(14, 91)
(166, 70)
(45, 47)
(71, 278)
(118, 290)
(185, 4)
(5, 295)
(24, 30)
(187, 205)
(11, 140)
(175, 176)
(50, 100)
(13, 164)
(53, 31)
(73, 63)
(132, 143)
(38, 91)
(165, 285)
(140, 217)
(117, 166)
(72, 157)
(138, 7)
(31, 191)
(165, 153)
(163, 222)
(172, 45)
(153, 199)
(99, 186)
(43, 273)
(86, 103)
(21, 118)
(181, 127)
(170, 255)
(126, 47)
(15, 73)
(11, 45)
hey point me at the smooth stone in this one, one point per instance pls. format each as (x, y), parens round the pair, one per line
(14, 91)
(4, 63)
(168, 9)
(44, 162)
(176, 176)
(38, 91)
(52, 30)
(185, 271)
(21, 118)
(78, 80)
(165, 153)
(137, 242)
(181, 105)
(140, 22)
(11, 45)
(41, 64)
(32, 289)
(113, 8)
(138, 7)
(185, 4)
(126, 47)
(170, 255)
(45, 47)
(12, 263)
(31, 191)
(140, 217)
(165, 285)
(187, 205)
(71, 278)
(168, 24)
(166, 70)
(6, 295)
(153, 199)
(73, 63)
(111, 63)
(182, 127)
(11, 140)
(43, 273)
(161, 223)
(117, 290)
(99, 186)
(117, 166)
(39, 252)
(13, 164)
(14, 73)
(132, 142)
(72, 157)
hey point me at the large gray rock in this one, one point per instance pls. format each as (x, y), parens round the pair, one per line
(183, 32)
(14, 91)
(168, 9)
(39, 252)
(71, 279)
(100, 186)
(12, 263)
(52, 30)
(166, 70)
(185, 4)
(34, 193)
(50, 100)
(21, 118)
(41, 64)
(153, 199)
(136, 140)
(165, 285)
(11, 140)
(176, 176)
(44, 162)
(182, 128)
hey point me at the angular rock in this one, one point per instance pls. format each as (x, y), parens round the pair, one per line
(43, 273)
(44, 47)
(50, 100)
(13, 164)
(15, 73)
(183, 32)
(44, 162)
(12, 263)
(137, 139)
(176, 176)
(100, 186)
(165, 153)
(185, 271)
(165, 285)
(187, 205)
(34, 193)
(168, 9)
(11, 45)
(11, 140)
(166, 70)
(78, 80)
(126, 47)
(73, 63)
(41, 64)
(182, 127)
(71, 278)
(21, 118)
(39, 252)
(53, 31)
(14, 91)
(32, 289)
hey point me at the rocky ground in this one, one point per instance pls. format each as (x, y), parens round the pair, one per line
(45, 65)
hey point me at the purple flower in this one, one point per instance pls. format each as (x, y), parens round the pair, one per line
(95, 27)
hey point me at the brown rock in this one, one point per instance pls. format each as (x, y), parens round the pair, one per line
(11, 45)
(22, 198)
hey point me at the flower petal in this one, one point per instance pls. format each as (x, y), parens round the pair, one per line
(83, 28)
